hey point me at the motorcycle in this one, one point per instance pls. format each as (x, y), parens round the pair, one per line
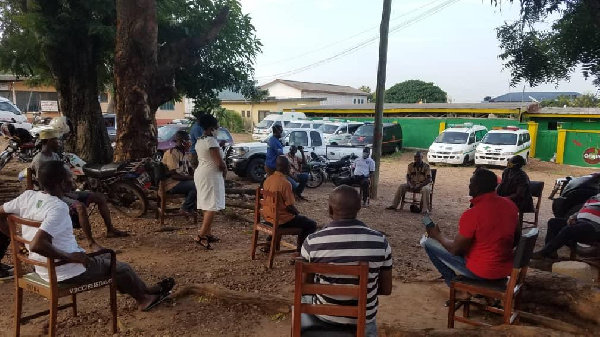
(125, 184)
(320, 169)
(573, 193)
(23, 152)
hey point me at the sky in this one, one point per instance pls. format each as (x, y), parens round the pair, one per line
(454, 47)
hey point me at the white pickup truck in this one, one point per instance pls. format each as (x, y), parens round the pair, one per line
(248, 159)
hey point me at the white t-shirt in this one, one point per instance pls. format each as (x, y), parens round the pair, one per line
(363, 167)
(54, 215)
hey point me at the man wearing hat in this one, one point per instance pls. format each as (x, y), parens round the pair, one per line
(76, 200)
(363, 170)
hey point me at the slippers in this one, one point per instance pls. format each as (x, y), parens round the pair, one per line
(163, 286)
(213, 239)
(159, 299)
(115, 233)
(203, 242)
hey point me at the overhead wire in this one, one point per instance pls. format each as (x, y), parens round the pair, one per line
(364, 43)
(348, 38)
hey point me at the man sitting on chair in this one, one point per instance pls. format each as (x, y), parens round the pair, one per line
(483, 247)
(77, 200)
(297, 178)
(418, 180)
(289, 216)
(55, 239)
(349, 241)
(515, 184)
(583, 226)
(181, 179)
(363, 170)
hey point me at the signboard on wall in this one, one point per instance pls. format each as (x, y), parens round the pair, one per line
(4, 87)
(591, 155)
(49, 106)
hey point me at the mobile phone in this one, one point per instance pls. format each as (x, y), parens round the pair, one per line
(428, 222)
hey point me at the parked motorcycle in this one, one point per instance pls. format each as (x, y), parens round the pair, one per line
(320, 169)
(125, 184)
(23, 152)
(573, 193)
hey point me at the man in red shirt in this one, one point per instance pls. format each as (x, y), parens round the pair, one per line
(483, 247)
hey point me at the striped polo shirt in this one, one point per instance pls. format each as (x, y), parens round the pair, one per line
(590, 212)
(348, 242)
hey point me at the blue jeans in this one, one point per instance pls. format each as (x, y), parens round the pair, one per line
(447, 264)
(188, 188)
(298, 186)
(370, 328)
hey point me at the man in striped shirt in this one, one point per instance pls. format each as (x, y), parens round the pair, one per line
(348, 241)
(583, 227)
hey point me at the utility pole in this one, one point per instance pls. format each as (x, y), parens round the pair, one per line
(380, 91)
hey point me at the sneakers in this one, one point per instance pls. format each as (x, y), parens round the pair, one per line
(365, 203)
(6, 274)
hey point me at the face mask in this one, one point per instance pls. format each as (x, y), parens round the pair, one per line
(365, 156)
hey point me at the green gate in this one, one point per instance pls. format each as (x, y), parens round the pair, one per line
(582, 148)
(546, 144)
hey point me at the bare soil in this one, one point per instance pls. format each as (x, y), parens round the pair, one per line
(417, 301)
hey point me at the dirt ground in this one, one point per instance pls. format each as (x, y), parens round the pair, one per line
(417, 300)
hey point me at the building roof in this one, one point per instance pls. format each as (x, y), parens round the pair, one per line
(565, 112)
(425, 108)
(526, 96)
(228, 95)
(10, 78)
(318, 87)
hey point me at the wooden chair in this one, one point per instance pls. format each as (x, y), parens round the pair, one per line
(417, 201)
(509, 291)
(537, 187)
(315, 326)
(162, 210)
(270, 200)
(52, 290)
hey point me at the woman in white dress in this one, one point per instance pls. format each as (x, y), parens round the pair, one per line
(209, 178)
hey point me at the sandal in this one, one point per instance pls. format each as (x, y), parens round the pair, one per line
(163, 286)
(159, 299)
(203, 241)
(115, 233)
(212, 238)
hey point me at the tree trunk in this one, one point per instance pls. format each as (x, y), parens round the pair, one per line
(135, 65)
(77, 87)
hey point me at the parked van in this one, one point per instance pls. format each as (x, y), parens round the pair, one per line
(339, 133)
(457, 144)
(498, 146)
(263, 129)
(304, 124)
(392, 137)
(9, 113)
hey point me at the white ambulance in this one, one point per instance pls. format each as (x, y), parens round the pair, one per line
(498, 146)
(456, 144)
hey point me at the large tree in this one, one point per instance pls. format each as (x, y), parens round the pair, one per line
(72, 44)
(415, 91)
(536, 54)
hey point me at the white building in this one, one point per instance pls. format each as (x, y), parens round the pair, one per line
(333, 94)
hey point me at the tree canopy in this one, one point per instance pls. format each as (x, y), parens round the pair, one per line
(415, 91)
(583, 101)
(536, 54)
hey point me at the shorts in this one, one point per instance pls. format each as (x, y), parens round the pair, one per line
(72, 199)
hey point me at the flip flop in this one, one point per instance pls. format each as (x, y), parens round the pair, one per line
(115, 233)
(165, 285)
(212, 238)
(203, 241)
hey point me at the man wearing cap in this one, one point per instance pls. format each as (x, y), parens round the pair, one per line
(363, 170)
(76, 200)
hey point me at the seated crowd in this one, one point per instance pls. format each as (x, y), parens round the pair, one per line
(482, 250)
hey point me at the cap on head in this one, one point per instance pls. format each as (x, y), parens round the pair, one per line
(517, 161)
(48, 134)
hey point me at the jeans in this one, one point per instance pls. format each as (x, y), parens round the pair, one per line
(188, 188)
(307, 225)
(4, 243)
(298, 182)
(447, 264)
(127, 281)
(560, 234)
(370, 328)
(363, 181)
(425, 195)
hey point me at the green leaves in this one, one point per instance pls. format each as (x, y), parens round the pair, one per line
(415, 91)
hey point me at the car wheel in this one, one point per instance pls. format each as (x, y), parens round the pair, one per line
(466, 161)
(256, 170)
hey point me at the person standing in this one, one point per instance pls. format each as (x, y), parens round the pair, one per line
(274, 149)
(195, 132)
(298, 179)
(418, 180)
(363, 170)
(515, 185)
(181, 179)
(209, 178)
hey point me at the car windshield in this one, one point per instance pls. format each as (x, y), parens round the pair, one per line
(264, 124)
(365, 131)
(166, 133)
(452, 137)
(222, 135)
(328, 128)
(293, 125)
(493, 138)
(5, 106)
(109, 122)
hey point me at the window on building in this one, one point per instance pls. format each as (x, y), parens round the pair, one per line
(262, 114)
(362, 101)
(354, 101)
(103, 97)
(168, 106)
